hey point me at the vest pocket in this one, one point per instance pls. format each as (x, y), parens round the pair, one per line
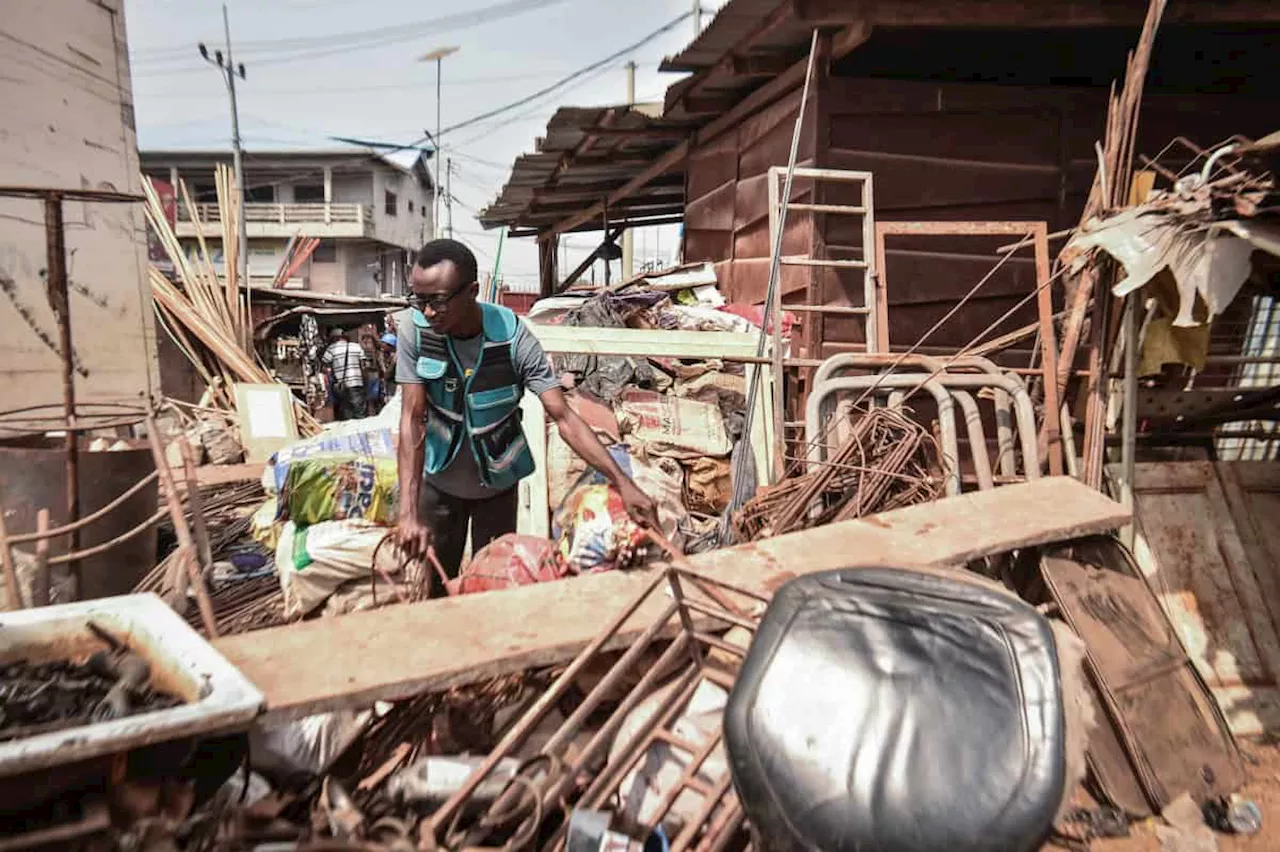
(502, 451)
(494, 398)
(431, 368)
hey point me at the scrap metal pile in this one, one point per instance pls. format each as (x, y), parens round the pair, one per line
(43, 697)
(888, 462)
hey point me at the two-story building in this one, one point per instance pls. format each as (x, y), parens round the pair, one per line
(369, 212)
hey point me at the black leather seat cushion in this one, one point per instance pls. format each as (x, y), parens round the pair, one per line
(887, 710)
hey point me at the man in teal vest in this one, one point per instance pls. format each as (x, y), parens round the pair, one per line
(462, 366)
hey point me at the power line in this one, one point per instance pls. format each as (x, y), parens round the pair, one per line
(663, 30)
(308, 47)
(390, 147)
(376, 87)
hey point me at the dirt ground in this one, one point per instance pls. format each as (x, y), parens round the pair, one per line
(1263, 788)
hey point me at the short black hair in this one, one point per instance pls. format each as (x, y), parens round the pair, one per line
(438, 251)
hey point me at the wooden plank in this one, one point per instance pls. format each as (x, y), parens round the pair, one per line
(725, 345)
(1252, 491)
(408, 649)
(1191, 551)
(533, 513)
(222, 474)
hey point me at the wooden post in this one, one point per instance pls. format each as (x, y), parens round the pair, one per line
(1048, 349)
(195, 503)
(187, 555)
(41, 590)
(12, 586)
(548, 275)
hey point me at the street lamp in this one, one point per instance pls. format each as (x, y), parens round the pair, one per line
(437, 56)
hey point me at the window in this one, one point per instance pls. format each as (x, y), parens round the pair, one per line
(424, 211)
(326, 252)
(309, 193)
(203, 192)
(410, 205)
(262, 194)
(392, 204)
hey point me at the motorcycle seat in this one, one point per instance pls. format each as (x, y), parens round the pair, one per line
(887, 710)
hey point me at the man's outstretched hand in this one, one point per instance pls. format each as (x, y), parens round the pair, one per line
(640, 506)
(414, 537)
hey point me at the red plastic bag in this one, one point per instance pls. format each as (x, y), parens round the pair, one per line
(506, 562)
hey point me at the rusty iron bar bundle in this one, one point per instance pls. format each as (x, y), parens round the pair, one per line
(886, 462)
(699, 604)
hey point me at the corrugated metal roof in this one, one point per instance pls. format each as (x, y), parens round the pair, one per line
(586, 153)
(735, 19)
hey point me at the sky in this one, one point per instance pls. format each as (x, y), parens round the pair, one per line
(322, 68)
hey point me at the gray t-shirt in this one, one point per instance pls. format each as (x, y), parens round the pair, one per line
(461, 478)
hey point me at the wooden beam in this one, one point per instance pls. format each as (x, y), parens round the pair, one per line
(409, 649)
(594, 191)
(818, 13)
(548, 261)
(708, 104)
(781, 15)
(586, 263)
(759, 66)
(643, 133)
(659, 167)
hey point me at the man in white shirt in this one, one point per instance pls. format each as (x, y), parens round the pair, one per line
(345, 362)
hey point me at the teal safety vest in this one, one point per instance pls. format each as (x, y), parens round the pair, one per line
(480, 412)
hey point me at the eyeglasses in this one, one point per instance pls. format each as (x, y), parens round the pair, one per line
(436, 301)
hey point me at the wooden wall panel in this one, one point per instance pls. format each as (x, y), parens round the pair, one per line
(976, 152)
(1191, 549)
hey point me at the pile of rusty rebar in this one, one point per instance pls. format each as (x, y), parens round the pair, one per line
(887, 462)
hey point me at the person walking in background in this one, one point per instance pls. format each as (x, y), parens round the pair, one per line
(346, 362)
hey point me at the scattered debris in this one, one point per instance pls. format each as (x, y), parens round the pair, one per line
(40, 698)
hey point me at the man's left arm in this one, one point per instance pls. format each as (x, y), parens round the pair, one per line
(539, 378)
(583, 441)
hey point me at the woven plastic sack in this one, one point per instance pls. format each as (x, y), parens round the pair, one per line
(509, 561)
(314, 562)
(340, 475)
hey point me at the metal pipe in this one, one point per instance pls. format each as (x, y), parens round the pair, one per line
(837, 364)
(440, 819)
(977, 439)
(593, 699)
(1025, 411)
(60, 301)
(946, 413)
(1129, 426)
(87, 519)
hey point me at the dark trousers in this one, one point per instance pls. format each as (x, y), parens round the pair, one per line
(352, 403)
(448, 516)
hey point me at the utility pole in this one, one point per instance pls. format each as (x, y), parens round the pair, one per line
(230, 70)
(628, 243)
(448, 197)
(697, 18)
(437, 56)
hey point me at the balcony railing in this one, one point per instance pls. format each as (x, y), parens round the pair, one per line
(287, 214)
